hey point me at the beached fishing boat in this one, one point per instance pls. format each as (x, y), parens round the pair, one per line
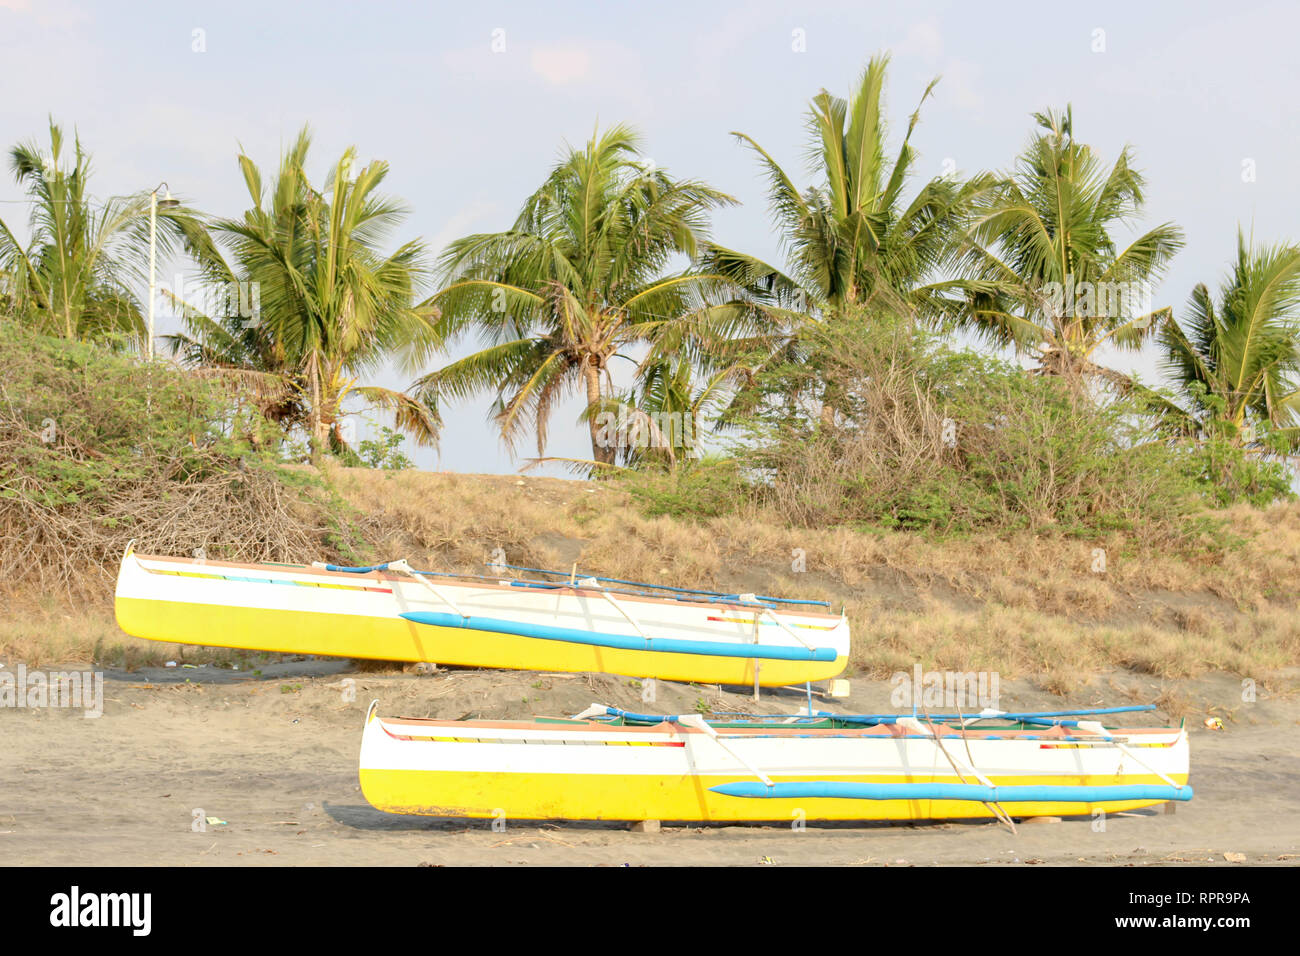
(522, 618)
(606, 764)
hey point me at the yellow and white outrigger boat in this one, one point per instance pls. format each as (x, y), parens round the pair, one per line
(545, 621)
(607, 764)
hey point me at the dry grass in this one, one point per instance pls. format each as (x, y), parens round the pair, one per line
(44, 634)
(96, 451)
(74, 550)
(1022, 605)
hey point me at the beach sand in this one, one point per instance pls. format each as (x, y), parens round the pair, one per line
(274, 756)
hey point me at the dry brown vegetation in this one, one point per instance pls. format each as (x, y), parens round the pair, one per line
(1024, 605)
(71, 548)
(96, 450)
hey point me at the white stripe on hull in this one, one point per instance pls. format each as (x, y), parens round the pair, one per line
(538, 751)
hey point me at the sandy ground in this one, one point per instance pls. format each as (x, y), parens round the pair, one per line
(274, 755)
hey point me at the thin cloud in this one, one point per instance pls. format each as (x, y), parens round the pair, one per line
(561, 65)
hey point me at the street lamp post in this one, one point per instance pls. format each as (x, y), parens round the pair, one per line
(154, 202)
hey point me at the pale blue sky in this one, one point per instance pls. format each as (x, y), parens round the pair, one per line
(1196, 88)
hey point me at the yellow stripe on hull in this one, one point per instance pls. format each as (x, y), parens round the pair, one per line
(393, 639)
(563, 796)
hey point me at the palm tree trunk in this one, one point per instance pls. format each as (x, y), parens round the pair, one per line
(602, 449)
(319, 438)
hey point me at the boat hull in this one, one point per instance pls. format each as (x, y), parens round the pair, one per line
(359, 616)
(592, 771)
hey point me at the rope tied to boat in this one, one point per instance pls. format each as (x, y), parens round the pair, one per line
(1095, 727)
(694, 721)
(402, 567)
(993, 805)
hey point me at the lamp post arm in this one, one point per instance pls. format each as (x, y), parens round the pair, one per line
(153, 247)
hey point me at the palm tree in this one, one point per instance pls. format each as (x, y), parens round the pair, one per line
(853, 237)
(75, 277)
(658, 421)
(581, 277)
(1239, 362)
(1052, 278)
(330, 306)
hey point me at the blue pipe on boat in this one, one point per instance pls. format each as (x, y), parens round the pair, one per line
(664, 587)
(625, 642)
(954, 791)
(641, 718)
(427, 574)
(715, 597)
(1048, 722)
(1128, 708)
(1027, 716)
(883, 719)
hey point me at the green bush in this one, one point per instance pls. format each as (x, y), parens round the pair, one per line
(385, 452)
(97, 448)
(875, 423)
(1228, 473)
(702, 488)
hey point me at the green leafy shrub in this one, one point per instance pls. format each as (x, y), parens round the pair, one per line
(1228, 473)
(97, 448)
(877, 424)
(703, 488)
(385, 451)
